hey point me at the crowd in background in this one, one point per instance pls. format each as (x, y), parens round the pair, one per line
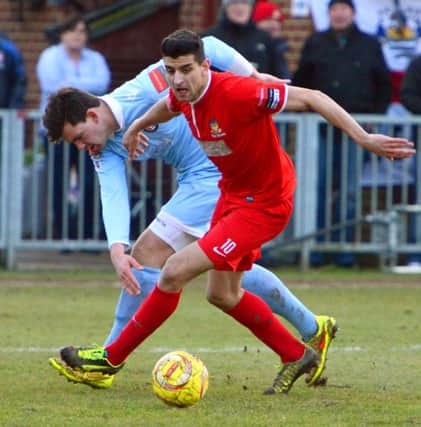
(374, 72)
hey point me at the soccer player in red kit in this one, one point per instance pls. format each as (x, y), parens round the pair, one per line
(231, 118)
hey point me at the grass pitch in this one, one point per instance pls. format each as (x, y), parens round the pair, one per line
(374, 365)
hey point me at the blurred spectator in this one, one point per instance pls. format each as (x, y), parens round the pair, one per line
(71, 63)
(349, 66)
(399, 32)
(400, 37)
(268, 17)
(12, 75)
(345, 63)
(411, 86)
(411, 99)
(236, 28)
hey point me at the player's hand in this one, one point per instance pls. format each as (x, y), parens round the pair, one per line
(392, 148)
(135, 141)
(123, 265)
(268, 78)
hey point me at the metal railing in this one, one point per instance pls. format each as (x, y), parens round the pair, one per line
(4, 128)
(349, 200)
(346, 198)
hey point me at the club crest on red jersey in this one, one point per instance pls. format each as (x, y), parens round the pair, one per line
(215, 129)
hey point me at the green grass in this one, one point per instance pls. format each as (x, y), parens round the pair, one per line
(374, 365)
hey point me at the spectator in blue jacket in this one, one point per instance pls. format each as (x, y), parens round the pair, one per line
(12, 75)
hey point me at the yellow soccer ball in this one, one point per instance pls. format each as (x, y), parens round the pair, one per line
(179, 379)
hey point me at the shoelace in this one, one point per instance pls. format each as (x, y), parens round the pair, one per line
(91, 353)
(286, 376)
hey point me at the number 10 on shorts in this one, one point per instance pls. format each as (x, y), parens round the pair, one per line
(224, 249)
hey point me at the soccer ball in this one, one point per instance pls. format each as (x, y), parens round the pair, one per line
(179, 379)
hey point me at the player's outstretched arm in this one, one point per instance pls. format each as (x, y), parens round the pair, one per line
(301, 99)
(134, 140)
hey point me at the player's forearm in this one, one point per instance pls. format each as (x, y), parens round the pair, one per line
(158, 113)
(225, 58)
(267, 78)
(134, 139)
(313, 100)
(116, 251)
(112, 176)
(338, 117)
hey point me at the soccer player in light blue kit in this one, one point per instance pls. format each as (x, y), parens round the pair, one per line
(97, 124)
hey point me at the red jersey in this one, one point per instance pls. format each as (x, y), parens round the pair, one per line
(233, 122)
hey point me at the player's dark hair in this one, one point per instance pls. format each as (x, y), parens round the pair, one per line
(183, 42)
(66, 105)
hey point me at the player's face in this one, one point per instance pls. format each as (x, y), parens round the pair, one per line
(341, 16)
(89, 135)
(186, 76)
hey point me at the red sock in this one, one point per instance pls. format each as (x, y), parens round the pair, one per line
(157, 307)
(255, 314)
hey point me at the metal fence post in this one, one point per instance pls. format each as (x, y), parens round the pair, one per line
(14, 186)
(307, 146)
(4, 201)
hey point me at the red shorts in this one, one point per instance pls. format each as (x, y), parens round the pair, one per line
(238, 230)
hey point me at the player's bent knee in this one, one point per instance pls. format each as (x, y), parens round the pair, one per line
(223, 297)
(146, 254)
(172, 276)
(217, 299)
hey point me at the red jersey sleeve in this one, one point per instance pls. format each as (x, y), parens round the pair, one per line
(172, 102)
(258, 98)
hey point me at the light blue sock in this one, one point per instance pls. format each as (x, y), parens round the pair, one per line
(128, 304)
(271, 289)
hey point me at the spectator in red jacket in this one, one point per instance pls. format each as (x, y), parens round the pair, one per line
(268, 17)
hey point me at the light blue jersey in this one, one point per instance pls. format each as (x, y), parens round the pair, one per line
(193, 203)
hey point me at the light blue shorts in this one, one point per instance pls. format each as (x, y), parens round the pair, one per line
(186, 216)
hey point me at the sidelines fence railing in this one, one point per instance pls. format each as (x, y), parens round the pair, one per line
(4, 128)
(350, 200)
(347, 200)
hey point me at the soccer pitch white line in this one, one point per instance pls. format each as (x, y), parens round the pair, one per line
(335, 349)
